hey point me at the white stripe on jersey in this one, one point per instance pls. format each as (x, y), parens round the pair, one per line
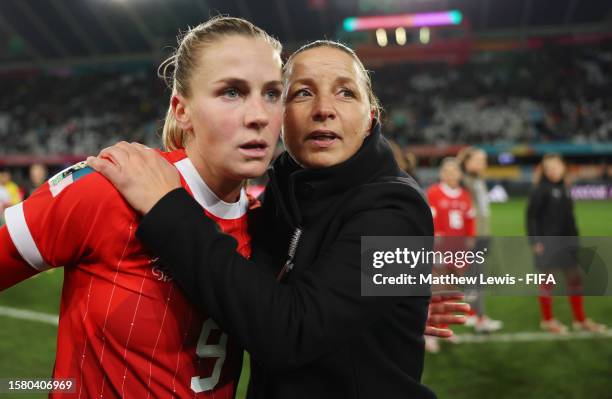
(110, 300)
(206, 198)
(159, 334)
(80, 382)
(22, 238)
(125, 370)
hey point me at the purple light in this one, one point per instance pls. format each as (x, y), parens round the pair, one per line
(432, 19)
(405, 20)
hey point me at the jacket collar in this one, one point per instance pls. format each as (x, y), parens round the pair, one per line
(295, 186)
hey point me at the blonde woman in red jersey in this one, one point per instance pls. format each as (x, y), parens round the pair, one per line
(125, 329)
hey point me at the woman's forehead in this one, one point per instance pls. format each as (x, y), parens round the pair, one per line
(237, 54)
(324, 60)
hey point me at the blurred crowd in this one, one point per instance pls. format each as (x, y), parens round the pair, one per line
(78, 114)
(549, 94)
(12, 193)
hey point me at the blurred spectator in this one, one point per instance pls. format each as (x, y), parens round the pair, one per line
(38, 175)
(412, 162)
(550, 213)
(474, 164)
(407, 161)
(399, 155)
(5, 200)
(6, 181)
(606, 173)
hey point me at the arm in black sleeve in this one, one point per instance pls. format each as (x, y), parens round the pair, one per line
(281, 325)
(572, 227)
(534, 206)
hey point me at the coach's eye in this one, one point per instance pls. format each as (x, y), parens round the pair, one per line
(302, 93)
(348, 93)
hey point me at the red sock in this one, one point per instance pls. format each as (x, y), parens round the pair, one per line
(577, 307)
(546, 302)
(546, 307)
(472, 312)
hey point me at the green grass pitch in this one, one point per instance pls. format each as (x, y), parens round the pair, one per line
(539, 369)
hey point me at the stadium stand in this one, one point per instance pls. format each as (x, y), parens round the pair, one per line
(507, 97)
(516, 97)
(54, 114)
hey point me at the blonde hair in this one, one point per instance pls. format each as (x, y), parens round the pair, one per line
(178, 69)
(466, 154)
(450, 161)
(399, 155)
(374, 103)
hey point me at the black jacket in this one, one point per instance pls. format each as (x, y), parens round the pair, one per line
(312, 335)
(550, 210)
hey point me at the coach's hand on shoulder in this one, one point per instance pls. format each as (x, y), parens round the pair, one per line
(445, 308)
(139, 173)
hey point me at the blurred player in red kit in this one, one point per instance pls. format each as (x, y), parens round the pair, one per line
(451, 205)
(453, 216)
(125, 329)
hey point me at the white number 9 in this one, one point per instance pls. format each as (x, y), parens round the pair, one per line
(203, 351)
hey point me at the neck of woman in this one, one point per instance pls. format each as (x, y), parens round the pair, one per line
(227, 190)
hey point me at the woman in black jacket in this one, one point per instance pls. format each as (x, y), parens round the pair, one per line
(550, 214)
(313, 335)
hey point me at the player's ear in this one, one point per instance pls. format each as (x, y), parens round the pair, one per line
(181, 111)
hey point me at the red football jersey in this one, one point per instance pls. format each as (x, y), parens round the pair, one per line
(125, 329)
(452, 211)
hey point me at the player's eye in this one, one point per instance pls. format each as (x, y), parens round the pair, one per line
(273, 95)
(231, 93)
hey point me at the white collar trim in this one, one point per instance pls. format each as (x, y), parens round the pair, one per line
(205, 196)
(449, 191)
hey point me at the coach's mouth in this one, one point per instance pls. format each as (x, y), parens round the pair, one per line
(322, 138)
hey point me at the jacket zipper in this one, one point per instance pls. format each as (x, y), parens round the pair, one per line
(295, 239)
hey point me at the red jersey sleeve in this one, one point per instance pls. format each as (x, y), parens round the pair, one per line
(55, 226)
(13, 268)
